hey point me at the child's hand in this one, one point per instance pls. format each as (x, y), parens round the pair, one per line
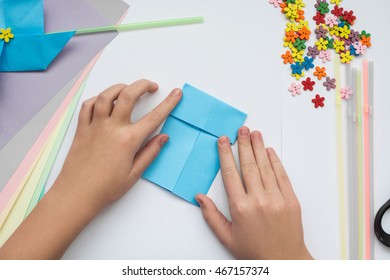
(266, 215)
(107, 158)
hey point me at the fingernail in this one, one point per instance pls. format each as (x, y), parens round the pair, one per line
(270, 151)
(200, 202)
(176, 92)
(164, 140)
(155, 85)
(256, 136)
(223, 140)
(244, 131)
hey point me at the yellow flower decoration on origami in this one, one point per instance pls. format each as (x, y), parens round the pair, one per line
(339, 45)
(322, 44)
(346, 57)
(337, 2)
(6, 34)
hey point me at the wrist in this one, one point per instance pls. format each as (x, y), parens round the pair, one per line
(74, 195)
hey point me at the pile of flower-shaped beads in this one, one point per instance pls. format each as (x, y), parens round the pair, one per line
(333, 31)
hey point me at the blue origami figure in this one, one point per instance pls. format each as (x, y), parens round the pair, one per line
(24, 46)
(188, 163)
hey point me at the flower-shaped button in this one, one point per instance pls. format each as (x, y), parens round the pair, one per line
(345, 93)
(349, 17)
(319, 18)
(6, 34)
(344, 31)
(359, 48)
(331, 20)
(321, 32)
(339, 46)
(337, 2)
(291, 11)
(318, 101)
(323, 8)
(346, 57)
(313, 51)
(308, 84)
(302, 24)
(297, 55)
(352, 50)
(366, 41)
(364, 33)
(300, 4)
(295, 89)
(338, 12)
(296, 68)
(304, 33)
(300, 44)
(322, 44)
(308, 63)
(300, 16)
(354, 36)
(276, 3)
(291, 26)
(320, 72)
(287, 58)
(329, 84)
(330, 42)
(291, 36)
(325, 55)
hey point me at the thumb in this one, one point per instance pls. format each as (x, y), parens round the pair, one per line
(218, 223)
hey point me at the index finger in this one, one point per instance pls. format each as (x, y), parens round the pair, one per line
(230, 176)
(128, 96)
(149, 123)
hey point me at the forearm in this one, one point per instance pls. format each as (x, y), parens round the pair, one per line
(51, 227)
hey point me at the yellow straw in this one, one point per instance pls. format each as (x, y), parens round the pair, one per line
(340, 165)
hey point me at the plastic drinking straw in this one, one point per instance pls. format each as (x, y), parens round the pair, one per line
(371, 113)
(367, 163)
(141, 25)
(353, 228)
(359, 142)
(340, 164)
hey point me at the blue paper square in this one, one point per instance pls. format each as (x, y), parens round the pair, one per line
(188, 163)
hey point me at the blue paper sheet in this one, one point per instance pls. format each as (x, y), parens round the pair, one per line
(188, 163)
(30, 49)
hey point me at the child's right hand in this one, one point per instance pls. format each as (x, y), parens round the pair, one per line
(266, 215)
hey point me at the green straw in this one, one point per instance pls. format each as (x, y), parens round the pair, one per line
(141, 25)
(340, 164)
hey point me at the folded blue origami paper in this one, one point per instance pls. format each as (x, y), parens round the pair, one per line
(29, 48)
(188, 163)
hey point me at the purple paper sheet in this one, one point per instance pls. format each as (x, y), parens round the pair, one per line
(22, 95)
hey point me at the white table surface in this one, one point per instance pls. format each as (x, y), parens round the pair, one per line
(235, 56)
